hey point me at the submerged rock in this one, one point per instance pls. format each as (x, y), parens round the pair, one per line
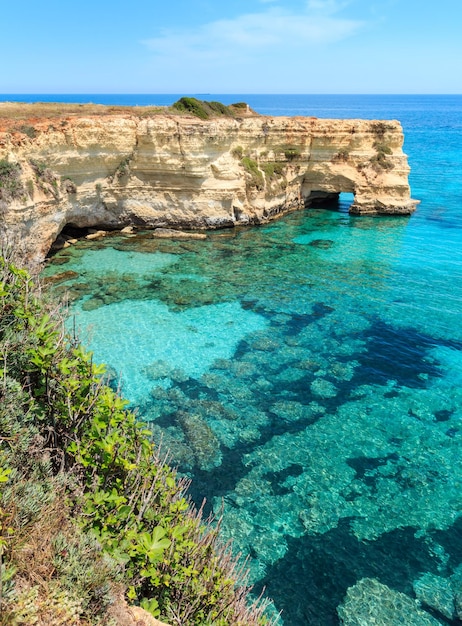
(92, 304)
(158, 369)
(324, 244)
(323, 388)
(60, 278)
(170, 233)
(202, 440)
(437, 593)
(369, 602)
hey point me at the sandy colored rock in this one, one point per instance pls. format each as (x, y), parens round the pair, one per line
(124, 615)
(170, 233)
(180, 172)
(143, 618)
(96, 235)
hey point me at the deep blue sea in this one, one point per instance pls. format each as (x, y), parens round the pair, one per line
(307, 374)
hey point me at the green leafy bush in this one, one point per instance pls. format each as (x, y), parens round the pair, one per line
(201, 108)
(79, 474)
(192, 106)
(218, 107)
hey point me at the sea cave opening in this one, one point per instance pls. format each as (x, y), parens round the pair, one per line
(332, 201)
(77, 232)
(70, 233)
(345, 200)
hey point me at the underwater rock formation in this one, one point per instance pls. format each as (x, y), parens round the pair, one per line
(371, 602)
(122, 168)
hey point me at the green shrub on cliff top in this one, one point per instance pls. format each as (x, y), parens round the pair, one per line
(202, 108)
(79, 453)
(192, 106)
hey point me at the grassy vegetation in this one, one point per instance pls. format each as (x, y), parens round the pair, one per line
(260, 173)
(11, 187)
(238, 152)
(88, 504)
(255, 175)
(380, 128)
(46, 179)
(22, 111)
(27, 129)
(291, 152)
(341, 155)
(27, 118)
(379, 160)
(273, 170)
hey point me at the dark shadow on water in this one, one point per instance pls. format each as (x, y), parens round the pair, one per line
(400, 354)
(365, 467)
(221, 480)
(451, 540)
(314, 575)
(444, 415)
(277, 479)
(392, 353)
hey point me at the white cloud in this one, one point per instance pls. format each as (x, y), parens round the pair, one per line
(249, 40)
(272, 27)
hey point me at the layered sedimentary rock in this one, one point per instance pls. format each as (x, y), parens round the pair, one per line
(167, 170)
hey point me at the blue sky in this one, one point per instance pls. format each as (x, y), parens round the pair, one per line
(251, 46)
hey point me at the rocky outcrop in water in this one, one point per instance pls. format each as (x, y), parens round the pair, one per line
(126, 168)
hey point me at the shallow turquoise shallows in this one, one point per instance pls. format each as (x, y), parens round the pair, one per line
(308, 375)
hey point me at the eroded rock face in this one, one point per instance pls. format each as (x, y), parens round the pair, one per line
(120, 169)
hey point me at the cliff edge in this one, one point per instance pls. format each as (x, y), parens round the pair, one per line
(113, 167)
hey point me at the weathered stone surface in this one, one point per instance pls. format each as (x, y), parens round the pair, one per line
(143, 618)
(96, 235)
(182, 172)
(124, 615)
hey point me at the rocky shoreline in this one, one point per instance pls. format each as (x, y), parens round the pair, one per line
(109, 168)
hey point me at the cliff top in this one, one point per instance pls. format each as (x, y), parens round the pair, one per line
(13, 112)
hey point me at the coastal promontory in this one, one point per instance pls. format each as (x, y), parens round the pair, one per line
(90, 166)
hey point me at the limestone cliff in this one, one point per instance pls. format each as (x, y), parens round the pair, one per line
(130, 168)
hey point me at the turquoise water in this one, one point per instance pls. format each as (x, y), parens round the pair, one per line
(307, 374)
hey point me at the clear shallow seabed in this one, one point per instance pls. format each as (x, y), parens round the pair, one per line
(308, 374)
